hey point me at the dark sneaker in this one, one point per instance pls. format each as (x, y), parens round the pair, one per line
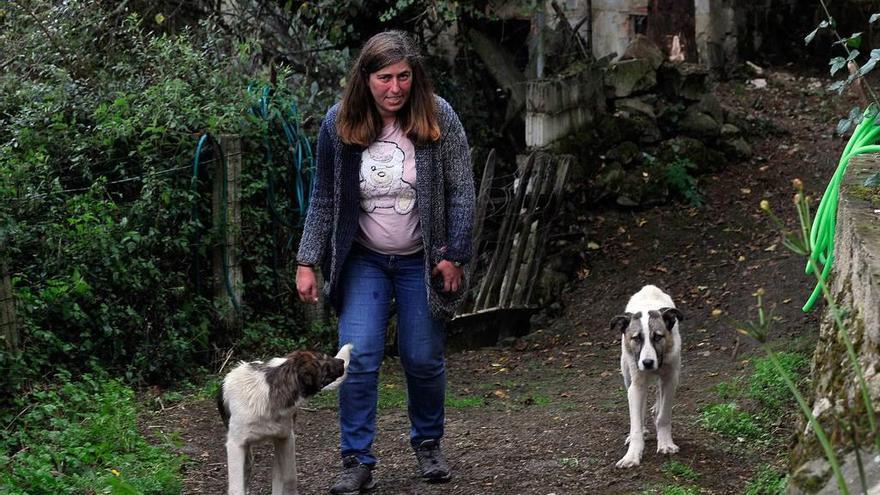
(355, 478)
(432, 463)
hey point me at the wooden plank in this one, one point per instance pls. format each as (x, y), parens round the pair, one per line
(526, 277)
(525, 215)
(548, 220)
(483, 200)
(495, 271)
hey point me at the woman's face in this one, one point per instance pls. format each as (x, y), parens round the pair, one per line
(390, 87)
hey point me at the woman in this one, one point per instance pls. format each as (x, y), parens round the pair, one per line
(390, 219)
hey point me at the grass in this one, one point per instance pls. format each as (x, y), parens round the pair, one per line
(750, 406)
(730, 390)
(672, 490)
(768, 399)
(768, 481)
(393, 396)
(729, 420)
(679, 471)
(766, 386)
(82, 437)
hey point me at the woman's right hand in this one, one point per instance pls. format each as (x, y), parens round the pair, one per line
(307, 284)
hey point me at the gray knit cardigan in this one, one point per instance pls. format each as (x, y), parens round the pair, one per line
(445, 198)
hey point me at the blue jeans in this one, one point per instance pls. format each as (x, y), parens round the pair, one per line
(368, 283)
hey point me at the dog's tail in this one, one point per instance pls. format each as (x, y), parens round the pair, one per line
(345, 355)
(222, 407)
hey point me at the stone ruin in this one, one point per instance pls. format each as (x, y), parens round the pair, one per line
(655, 113)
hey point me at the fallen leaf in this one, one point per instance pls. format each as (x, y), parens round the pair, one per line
(592, 245)
(770, 248)
(717, 312)
(741, 259)
(745, 190)
(501, 394)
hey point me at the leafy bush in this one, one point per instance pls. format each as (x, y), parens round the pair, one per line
(104, 225)
(81, 437)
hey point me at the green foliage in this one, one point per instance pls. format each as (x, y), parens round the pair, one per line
(393, 396)
(679, 471)
(859, 70)
(81, 437)
(679, 179)
(464, 402)
(768, 481)
(729, 390)
(107, 235)
(766, 393)
(538, 400)
(767, 387)
(729, 420)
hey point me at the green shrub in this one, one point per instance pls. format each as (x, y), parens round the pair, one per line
(104, 226)
(81, 437)
(677, 176)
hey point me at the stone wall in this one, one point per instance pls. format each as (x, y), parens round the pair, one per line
(856, 288)
(560, 105)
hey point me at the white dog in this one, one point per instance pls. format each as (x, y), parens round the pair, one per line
(650, 351)
(258, 403)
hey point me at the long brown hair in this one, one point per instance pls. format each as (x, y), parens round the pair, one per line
(358, 120)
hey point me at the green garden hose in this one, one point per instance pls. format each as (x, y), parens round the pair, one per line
(822, 233)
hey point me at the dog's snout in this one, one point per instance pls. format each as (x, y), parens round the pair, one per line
(648, 364)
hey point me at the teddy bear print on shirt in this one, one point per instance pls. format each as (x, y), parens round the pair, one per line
(382, 184)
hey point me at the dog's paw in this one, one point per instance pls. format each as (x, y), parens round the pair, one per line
(630, 460)
(667, 448)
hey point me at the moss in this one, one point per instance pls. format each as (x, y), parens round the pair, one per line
(869, 194)
(831, 359)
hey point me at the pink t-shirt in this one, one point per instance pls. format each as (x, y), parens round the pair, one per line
(389, 219)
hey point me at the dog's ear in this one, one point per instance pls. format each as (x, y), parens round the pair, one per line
(620, 322)
(670, 315)
(308, 376)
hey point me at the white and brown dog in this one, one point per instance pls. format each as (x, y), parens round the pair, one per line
(650, 352)
(258, 403)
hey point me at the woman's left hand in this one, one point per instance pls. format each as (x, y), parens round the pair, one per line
(451, 275)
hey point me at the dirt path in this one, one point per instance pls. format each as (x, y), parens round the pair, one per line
(549, 415)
